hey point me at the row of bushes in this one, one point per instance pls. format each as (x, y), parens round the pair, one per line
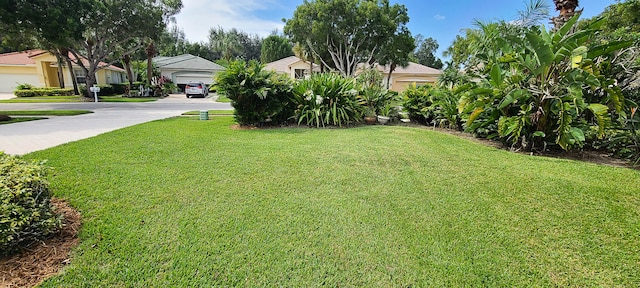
(26, 214)
(263, 97)
(38, 92)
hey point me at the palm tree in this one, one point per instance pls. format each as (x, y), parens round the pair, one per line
(303, 53)
(567, 9)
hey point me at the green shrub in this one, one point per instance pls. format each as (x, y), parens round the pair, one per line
(119, 88)
(259, 97)
(24, 86)
(106, 90)
(26, 214)
(327, 99)
(40, 92)
(417, 101)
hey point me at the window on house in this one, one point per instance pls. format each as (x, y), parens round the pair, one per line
(300, 73)
(81, 77)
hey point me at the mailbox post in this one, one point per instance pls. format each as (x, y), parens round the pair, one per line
(95, 89)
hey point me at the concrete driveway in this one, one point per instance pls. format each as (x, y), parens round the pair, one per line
(26, 137)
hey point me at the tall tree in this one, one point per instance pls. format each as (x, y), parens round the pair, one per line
(274, 48)
(351, 31)
(396, 51)
(54, 25)
(112, 24)
(303, 53)
(425, 53)
(567, 9)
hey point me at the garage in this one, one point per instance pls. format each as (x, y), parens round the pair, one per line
(10, 81)
(187, 68)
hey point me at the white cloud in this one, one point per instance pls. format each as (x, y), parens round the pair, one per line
(198, 16)
(439, 17)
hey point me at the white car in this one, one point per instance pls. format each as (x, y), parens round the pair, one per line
(194, 89)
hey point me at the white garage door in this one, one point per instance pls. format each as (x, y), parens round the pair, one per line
(186, 78)
(8, 82)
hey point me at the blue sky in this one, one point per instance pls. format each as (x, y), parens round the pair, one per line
(439, 19)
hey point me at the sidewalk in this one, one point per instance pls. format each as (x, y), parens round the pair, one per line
(6, 96)
(25, 137)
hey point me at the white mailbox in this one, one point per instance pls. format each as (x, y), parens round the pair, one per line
(95, 89)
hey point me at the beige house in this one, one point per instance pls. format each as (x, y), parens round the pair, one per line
(40, 68)
(293, 66)
(402, 77)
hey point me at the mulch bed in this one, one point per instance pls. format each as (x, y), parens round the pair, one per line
(43, 259)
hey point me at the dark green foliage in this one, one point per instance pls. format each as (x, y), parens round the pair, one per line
(259, 97)
(5, 118)
(275, 48)
(36, 92)
(119, 88)
(326, 99)
(432, 106)
(26, 214)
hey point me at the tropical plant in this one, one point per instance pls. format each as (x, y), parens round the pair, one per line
(541, 88)
(326, 99)
(260, 97)
(433, 106)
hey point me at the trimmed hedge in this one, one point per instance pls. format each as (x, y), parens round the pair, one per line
(39, 92)
(26, 214)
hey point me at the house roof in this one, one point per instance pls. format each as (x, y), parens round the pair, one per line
(19, 58)
(284, 64)
(186, 62)
(27, 58)
(412, 68)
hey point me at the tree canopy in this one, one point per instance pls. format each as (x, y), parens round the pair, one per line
(350, 31)
(275, 48)
(425, 53)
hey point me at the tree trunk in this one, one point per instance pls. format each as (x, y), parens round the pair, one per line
(567, 10)
(60, 71)
(392, 67)
(127, 66)
(65, 54)
(151, 51)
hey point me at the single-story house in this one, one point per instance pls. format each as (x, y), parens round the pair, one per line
(187, 68)
(402, 77)
(40, 68)
(293, 66)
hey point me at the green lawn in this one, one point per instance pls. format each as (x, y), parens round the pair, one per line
(44, 99)
(211, 112)
(118, 98)
(21, 119)
(223, 99)
(44, 112)
(64, 99)
(189, 203)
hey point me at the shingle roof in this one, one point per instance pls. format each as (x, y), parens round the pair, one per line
(283, 64)
(186, 62)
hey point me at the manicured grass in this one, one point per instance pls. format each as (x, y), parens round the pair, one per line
(223, 99)
(44, 112)
(188, 203)
(119, 98)
(20, 119)
(211, 112)
(56, 99)
(44, 99)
